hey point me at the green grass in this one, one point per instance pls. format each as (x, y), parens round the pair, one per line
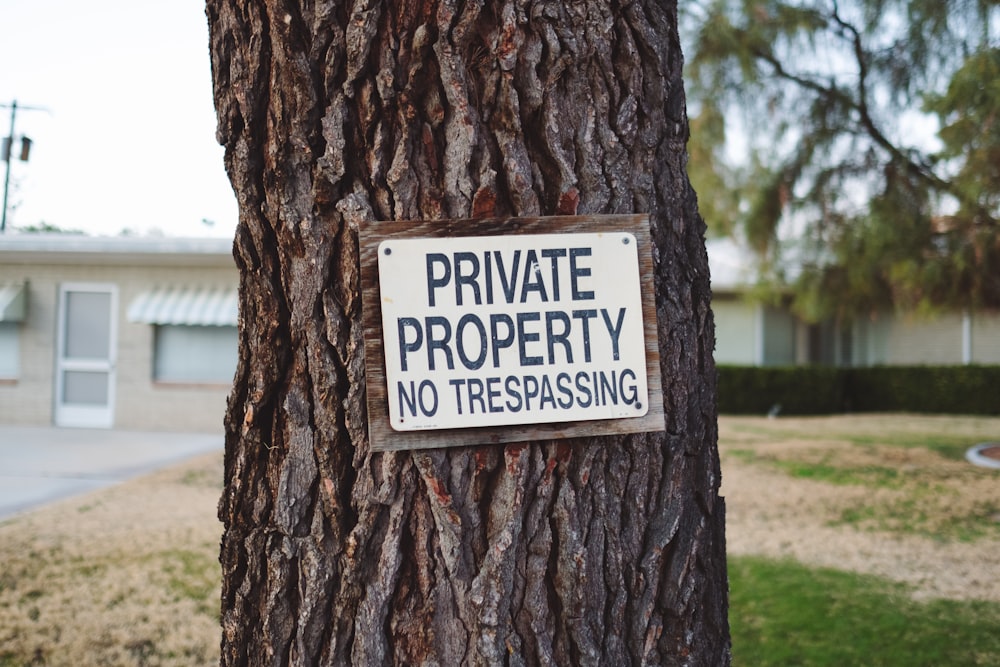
(783, 613)
(872, 476)
(193, 575)
(912, 517)
(824, 471)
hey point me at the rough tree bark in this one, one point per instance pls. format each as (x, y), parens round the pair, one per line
(607, 551)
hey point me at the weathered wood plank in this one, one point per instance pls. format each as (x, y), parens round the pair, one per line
(382, 435)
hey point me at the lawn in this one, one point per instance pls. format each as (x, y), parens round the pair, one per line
(852, 541)
(862, 540)
(784, 613)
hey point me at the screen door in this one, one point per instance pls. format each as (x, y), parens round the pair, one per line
(85, 362)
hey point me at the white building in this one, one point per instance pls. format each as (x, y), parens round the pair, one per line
(755, 334)
(140, 333)
(133, 333)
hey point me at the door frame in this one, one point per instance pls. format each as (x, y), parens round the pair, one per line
(85, 416)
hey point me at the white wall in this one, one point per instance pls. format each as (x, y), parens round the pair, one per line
(985, 338)
(141, 403)
(752, 334)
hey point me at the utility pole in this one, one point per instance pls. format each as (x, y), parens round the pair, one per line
(8, 149)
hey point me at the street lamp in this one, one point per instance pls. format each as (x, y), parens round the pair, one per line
(8, 150)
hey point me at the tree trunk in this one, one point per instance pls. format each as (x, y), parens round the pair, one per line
(600, 551)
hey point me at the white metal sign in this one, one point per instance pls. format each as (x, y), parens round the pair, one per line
(518, 329)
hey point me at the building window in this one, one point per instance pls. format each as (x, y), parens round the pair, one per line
(195, 354)
(10, 350)
(13, 308)
(194, 333)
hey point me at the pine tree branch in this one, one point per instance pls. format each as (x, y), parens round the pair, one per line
(866, 122)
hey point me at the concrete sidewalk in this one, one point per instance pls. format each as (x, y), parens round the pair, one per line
(41, 465)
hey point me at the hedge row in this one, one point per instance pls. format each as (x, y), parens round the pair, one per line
(813, 390)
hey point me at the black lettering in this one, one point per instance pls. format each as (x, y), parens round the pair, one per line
(615, 331)
(401, 325)
(513, 392)
(584, 317)
(608, 388)
(630, 392)
(492, 393)
(563, 381)
(530, 392)
(546, 393)
(488, 276)
(576, 272)
(433, 282)
(527, 337)
(439, 343)
(416, 398)
(532, 279)
(476, 395)
(582, 388)
(409, 399)
(508, 286)
(431, 411)
(477, 363)
(463, 279)
(553, 254)
(457, 384)
(498, 342)
(562, 337)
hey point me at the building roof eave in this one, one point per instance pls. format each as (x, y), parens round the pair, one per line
(115, 250)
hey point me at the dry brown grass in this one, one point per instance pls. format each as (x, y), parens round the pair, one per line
(889, 495)
(125, 576)
(129, 575)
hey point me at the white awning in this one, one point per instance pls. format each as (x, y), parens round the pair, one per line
(186, 306)
(13, 303)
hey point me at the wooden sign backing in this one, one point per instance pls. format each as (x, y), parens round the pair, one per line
(381, 434)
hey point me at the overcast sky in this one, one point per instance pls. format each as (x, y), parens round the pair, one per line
(127, 138)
